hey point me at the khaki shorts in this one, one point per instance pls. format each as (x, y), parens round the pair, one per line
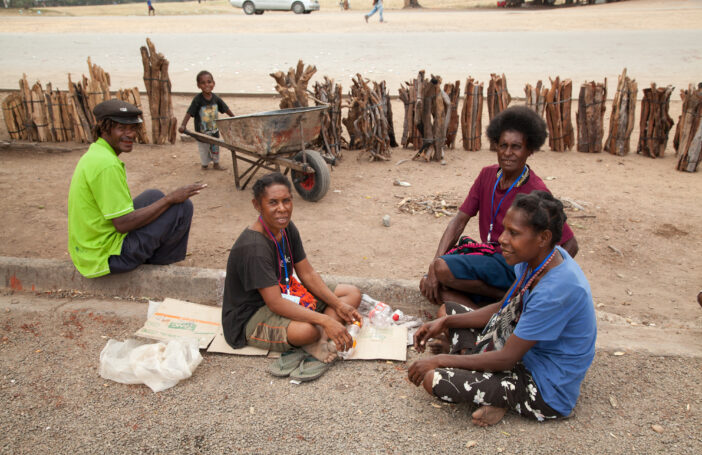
(268, 330)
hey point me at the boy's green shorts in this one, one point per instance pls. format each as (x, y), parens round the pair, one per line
(268, 330)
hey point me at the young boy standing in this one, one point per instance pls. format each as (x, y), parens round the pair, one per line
(204, 109)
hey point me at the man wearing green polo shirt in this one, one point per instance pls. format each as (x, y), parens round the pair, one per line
(108, 232)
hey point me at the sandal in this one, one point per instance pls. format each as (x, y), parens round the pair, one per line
(310, 369)
(287, 362)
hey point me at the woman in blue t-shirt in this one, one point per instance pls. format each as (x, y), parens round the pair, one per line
(530, 351)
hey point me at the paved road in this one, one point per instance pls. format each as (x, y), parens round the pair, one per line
(241, 62)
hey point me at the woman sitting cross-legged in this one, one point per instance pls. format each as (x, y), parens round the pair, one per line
(530, 351)
(265, 306)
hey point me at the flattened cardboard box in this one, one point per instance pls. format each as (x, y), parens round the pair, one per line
(180, 319)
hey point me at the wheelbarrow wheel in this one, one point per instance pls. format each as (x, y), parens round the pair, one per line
(312, 187)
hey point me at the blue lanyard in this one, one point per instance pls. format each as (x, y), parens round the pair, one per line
(492, 201)
(521, 280)
(281, 254)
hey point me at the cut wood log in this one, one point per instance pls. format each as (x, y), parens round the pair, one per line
(655, 123)
(434, 104)
(621, 122)
(558, 115)
(453, 91)
(590, 116)
(158, 91)
(331, 139)
(14, 115)
(367, 119)
(688, 143)
(535, 97)
(498, 97)
(293, 85)
(472, 115)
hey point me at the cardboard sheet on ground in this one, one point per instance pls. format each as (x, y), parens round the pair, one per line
(381, 343)
(180, 319)
(220, 345)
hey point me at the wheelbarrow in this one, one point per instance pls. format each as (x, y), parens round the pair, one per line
(274, 140)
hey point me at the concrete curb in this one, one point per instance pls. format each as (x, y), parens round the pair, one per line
(186, 283)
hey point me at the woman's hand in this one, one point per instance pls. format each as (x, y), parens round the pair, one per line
(419, 369)
(348, 313)
(427, 331)
(336, 332)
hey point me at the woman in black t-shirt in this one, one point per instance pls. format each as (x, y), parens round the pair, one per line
(265, 306)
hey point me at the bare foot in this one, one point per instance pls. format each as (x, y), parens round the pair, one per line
(323, 350)
(439, 345)
(488, 415)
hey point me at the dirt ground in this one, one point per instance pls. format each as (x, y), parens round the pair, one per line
(55, 402)
(638, 234)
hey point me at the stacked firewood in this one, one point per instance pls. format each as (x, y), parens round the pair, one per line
(292, 85)
(132, 96)
(158, 90)
(472, 115)
(655, 123)
(453, 91)
(558, 103)
(688, 134)
(498, 97)
(536, 97)
(590, 116)
(14, 115)
(329, 93)
(432, 107)
(621, 122)
(53, 115)
(408, 95)
(369, 118)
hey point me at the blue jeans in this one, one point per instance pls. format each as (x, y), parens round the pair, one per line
(377, 7)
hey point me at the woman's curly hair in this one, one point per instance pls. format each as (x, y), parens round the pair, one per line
(520, 119)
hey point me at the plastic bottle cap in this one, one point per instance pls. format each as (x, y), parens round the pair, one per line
(395, 317)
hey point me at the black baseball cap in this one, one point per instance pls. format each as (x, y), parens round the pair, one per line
(118, 111)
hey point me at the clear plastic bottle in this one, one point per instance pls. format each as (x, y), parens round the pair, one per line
(353, 329)
(380, 315)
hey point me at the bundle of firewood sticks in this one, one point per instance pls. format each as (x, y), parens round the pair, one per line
(498, 98)
(329, 93)
(558, 121)
(158, 90)
(369, 119)
(590, 116)
(60, 116)
(535, 97)
(472, 115)
(292, 85)
(621, 122)
(655, 123)
(428, 115)
(688, 134)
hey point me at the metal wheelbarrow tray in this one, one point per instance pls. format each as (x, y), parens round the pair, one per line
(275, 139)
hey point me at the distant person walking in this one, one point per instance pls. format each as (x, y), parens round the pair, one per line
(377, 6)
(152, 11)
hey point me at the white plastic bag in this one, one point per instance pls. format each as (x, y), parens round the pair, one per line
(159, 366)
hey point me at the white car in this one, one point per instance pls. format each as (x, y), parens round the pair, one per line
(259, 6)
